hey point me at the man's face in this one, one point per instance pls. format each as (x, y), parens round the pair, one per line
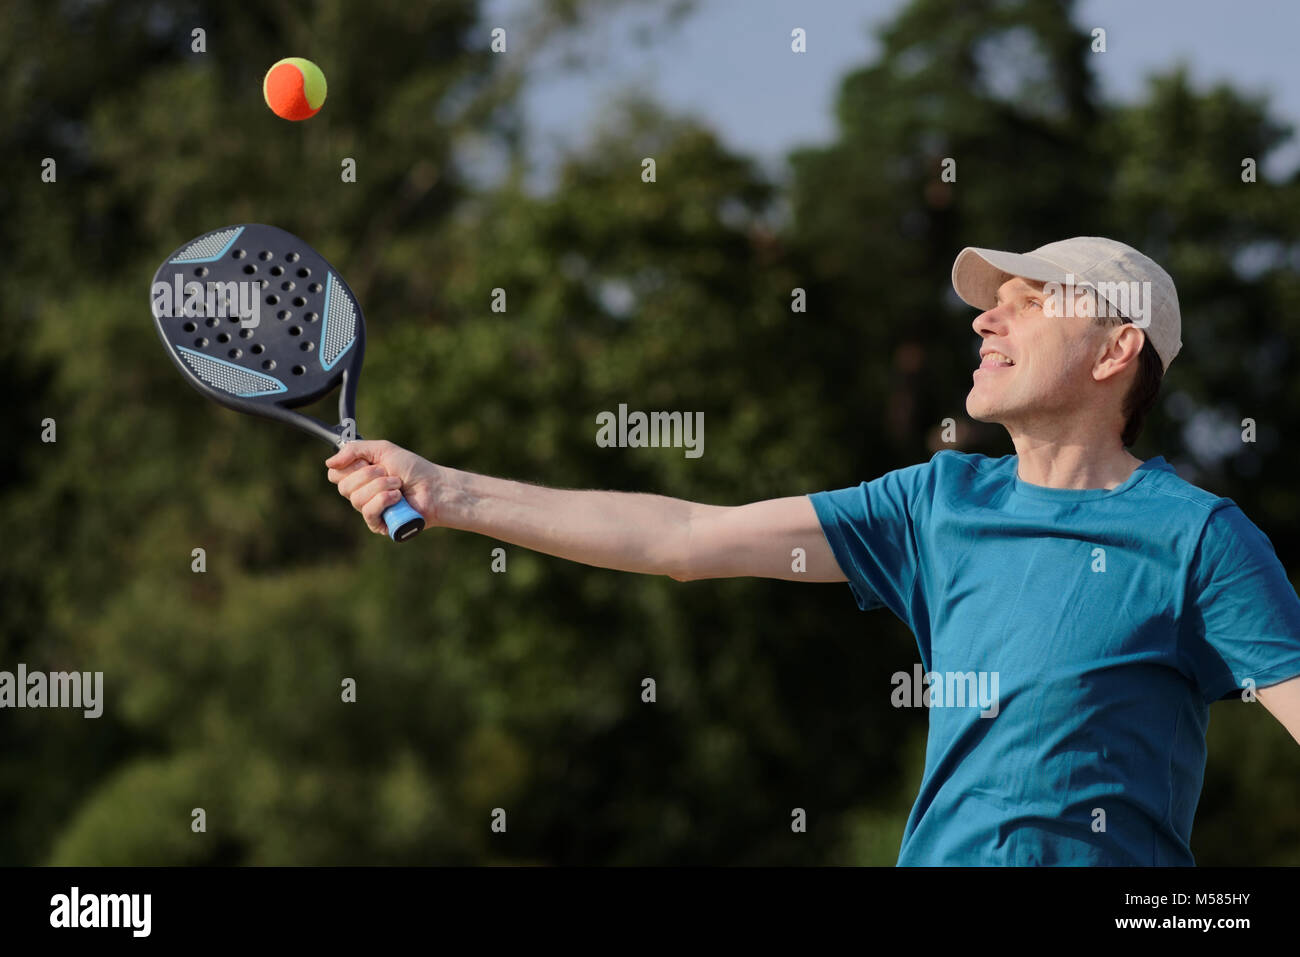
(1034, 364)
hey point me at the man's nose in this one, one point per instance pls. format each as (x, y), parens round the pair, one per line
(988, 321)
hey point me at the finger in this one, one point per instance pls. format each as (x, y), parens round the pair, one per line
(379, 486)
(358, 476)
(374, 510)
(362, 476)
(356, 449)
(336, 475)
(344, 456)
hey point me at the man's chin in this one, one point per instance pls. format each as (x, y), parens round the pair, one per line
(980, 411)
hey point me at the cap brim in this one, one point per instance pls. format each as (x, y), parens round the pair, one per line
(977, 273)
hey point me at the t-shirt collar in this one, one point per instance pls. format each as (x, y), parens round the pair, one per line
(1043, 492)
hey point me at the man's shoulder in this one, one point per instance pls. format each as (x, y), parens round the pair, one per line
(1163, 482)
(950, 465)
(950, 475)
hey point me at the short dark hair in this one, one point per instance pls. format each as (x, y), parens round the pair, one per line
(1146, 384)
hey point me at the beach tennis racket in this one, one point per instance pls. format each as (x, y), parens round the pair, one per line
(257, 320)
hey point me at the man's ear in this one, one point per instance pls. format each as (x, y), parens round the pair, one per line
(1119, 350)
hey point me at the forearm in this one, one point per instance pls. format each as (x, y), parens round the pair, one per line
(626, 531)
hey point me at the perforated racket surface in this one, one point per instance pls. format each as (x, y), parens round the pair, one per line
(256, 319)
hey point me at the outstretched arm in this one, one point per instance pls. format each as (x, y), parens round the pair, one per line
(650, 534)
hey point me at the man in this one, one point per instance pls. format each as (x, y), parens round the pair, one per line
(1106, 600)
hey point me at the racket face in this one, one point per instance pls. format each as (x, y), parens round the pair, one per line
(257, 320)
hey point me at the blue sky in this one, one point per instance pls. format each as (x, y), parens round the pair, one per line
(722, 62)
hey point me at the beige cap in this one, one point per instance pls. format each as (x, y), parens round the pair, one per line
(1133, 284)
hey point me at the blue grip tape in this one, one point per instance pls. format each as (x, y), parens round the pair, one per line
(403, 521)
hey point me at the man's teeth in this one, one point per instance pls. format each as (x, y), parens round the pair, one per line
(998, 357)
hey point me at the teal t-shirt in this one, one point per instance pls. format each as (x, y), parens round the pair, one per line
(1101, 623)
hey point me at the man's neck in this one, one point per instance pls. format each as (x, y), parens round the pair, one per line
(1073, 464)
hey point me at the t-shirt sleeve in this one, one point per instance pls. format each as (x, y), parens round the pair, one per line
(871, 530)
(1246, 613)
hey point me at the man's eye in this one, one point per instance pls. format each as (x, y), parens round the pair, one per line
(1035, 302)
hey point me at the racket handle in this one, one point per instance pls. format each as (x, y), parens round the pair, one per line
(403, 521)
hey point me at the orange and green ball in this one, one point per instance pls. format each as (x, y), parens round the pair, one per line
(294, 88)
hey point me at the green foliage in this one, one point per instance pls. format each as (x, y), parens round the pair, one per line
(522, 690)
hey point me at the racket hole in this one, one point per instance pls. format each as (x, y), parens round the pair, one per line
(201, 342)
(283, 314)
(272, 300)
(263, 283)
(264, 255)
(224, 337)
(235, 353)
(250, 269)
(291, 257)
(277, 270)
(295, 330)
(238, 254)
(304, 272)
(311, 317)
(287, 285)
(314, 287)
(299, 370)
(189, 327)
(268, 364)
(258, 349)
(201, 271)
(299, 301)
(307, 346)
(245, 333)
(211, 322)
(234, 318)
